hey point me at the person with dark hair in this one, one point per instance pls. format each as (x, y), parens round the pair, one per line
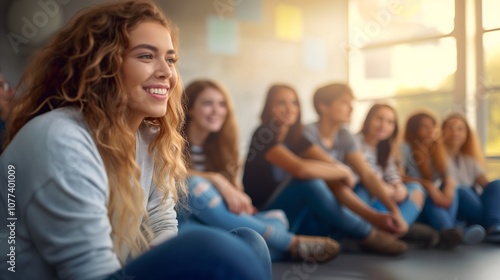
(216, 197)
(333, 106)
(425, 161)
(478, 198)
(378, 142)
(95, 163)
(284, 170)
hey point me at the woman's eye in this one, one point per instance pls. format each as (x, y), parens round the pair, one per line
(146, 56)
(171, 60)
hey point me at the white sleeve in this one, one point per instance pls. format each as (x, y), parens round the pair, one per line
(162, 216)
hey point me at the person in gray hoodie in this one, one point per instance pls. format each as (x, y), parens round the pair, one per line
(93, 161)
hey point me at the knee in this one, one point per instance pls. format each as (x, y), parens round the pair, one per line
(317, 185)
(310, 187)
(251, 237)
(496, 182)
(256, 242)
(279, 215)
(202, 194)
(418, 197)
(194, 181)
(312, 183)
(491, 191)
(216, 248)
(414, 186)
(493, 185)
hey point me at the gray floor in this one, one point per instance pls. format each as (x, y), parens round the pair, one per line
(479, 262)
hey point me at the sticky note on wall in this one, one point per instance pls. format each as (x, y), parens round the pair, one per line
(315, 54)
(222, 37)
(249, 10)
(289, 22)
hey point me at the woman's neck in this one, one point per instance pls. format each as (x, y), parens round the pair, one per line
(453, 151)
(196, 136)
(134, 122)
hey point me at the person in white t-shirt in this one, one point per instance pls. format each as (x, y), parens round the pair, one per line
(479, 198)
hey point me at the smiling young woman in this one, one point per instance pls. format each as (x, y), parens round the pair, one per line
(96, 143)
(216, 195)
(286, 170)
(378, 142)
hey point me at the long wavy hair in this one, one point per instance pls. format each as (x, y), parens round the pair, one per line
(427, 153)
(267, 117)
(471, 146)
(385, 148)
(221, 148)
(81, 68)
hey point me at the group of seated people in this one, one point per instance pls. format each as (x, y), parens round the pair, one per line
(301, 181)
(118, 171)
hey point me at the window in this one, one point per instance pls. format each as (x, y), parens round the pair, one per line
(489, 107)
(405, 51)
(441, 55)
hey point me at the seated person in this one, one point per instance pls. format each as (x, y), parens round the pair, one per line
(216, 198)
(480, 207)
(284, 170)
(378, 142)
(95, 163)
(425, 160)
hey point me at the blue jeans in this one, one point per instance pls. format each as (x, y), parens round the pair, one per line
(312, 209)
(198, 253)
(409, 210)
(208, 207)
(481, 209)
(438, 217)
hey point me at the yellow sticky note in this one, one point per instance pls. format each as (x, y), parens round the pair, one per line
(289, 23)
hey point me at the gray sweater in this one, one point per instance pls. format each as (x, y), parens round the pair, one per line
(62, 229)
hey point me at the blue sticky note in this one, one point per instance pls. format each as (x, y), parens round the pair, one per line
(222, 36)
(315, 54)
(249, 10)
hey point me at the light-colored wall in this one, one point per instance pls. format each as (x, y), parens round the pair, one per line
(262, 59)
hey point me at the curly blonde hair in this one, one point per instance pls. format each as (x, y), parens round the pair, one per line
(81, 68)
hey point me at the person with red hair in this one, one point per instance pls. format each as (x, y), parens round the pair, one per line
(425, 160)
(479, 198)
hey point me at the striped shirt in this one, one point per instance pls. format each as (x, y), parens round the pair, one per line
(390, 173)
(198, 158)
